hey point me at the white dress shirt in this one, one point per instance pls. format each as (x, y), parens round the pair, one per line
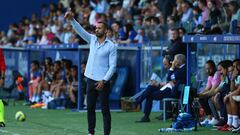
(102, 59)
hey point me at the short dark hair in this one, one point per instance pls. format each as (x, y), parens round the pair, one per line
(168, 58)
(236, 60)
(104, 24)
(49, 59)
(212, 64)
(234, 4)
(75, 67)
(36, 63)
(117, 22)
(204, 2)
(175, 29)
(184, 30)
(58, 62)
(225, 64)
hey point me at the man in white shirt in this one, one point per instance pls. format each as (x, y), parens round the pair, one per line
(101, 65)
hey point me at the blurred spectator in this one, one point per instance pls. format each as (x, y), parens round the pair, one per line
(65, 3)
(213, 81)
(130, 34)
(187, 12)
(138, 23)
(99, 6)
(202, 4)
(44, 39)
(55, 41)
(172, 22)
(141, 37)
(166, 6)
(154, 31)
(214, 13)
(176, 46)
(44, 11)
(110, 35)
(67, 34)
(3, 38)
(225, 18)
(197, 18)
(58, 84)
(181, 32)
(35, 72)
(177, 10)
(73, 86)
(235, 12)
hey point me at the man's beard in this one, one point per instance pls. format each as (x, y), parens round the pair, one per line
(99, 35)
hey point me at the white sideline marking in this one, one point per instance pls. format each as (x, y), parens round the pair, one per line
(98, 110)
(5, 131)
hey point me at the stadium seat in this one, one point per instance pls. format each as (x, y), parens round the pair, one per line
(119, 85)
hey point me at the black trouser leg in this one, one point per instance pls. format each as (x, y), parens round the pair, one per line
(91, 105)
(104, 99)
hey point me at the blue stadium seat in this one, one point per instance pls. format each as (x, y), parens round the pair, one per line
(119, 84)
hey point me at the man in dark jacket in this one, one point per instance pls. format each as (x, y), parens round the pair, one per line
(176, 76)
(176, 46)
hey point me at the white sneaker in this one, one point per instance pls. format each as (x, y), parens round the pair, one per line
(236, 98)
(213, 121)
(205, 121)
(236, 130)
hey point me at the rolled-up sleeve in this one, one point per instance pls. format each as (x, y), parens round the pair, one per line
(112, 63)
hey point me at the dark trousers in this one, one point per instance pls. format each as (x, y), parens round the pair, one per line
(223, 109)
(92, 95)
(153, 93)
(205, 105)
(213, 108)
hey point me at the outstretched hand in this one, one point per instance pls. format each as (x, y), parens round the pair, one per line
(69, 15)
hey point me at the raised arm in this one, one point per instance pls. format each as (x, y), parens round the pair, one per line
(77, 27)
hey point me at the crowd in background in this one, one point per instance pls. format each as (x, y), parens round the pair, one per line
(130, 21)
(134, 21)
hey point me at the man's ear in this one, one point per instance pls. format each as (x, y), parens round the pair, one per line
(106, 31)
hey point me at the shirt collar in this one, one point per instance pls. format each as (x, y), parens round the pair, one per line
(104, 42)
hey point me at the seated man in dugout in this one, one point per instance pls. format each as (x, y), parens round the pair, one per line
(232, 105)
(156, 81)
(176, 76)
(213, 80)
(58, 86)
(47, 76)
(35, 72)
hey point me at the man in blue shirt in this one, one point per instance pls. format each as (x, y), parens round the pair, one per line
(101, 65)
